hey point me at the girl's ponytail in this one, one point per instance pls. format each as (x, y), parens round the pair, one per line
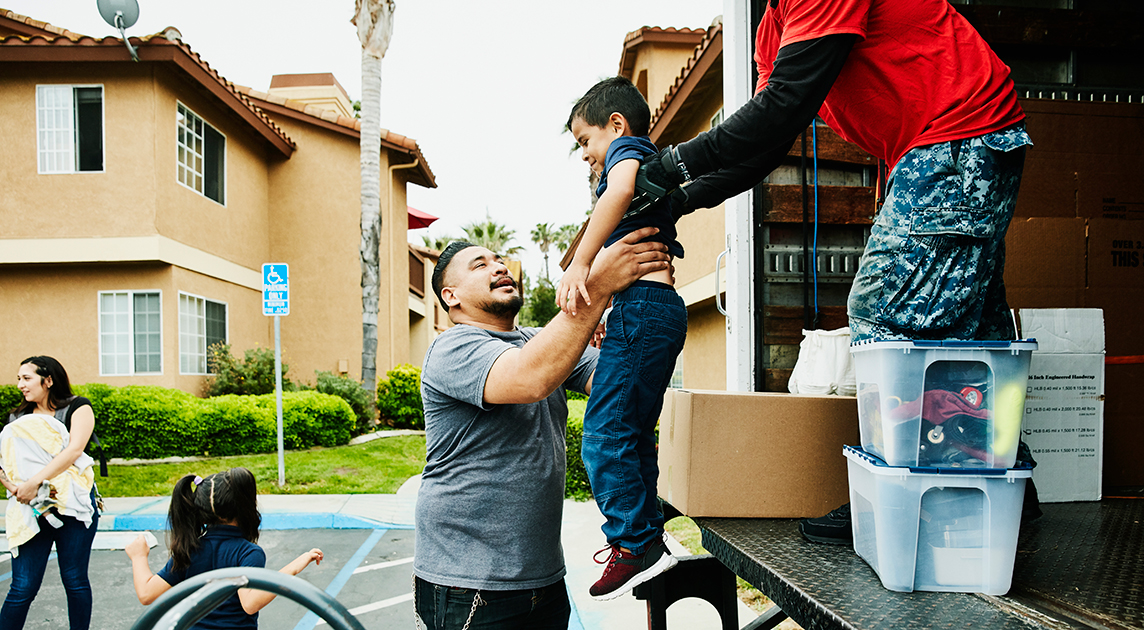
(184, 522)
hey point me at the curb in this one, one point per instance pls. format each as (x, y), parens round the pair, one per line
(273, 521)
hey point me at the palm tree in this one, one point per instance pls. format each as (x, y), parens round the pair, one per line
(544, 235)
(564, 235)
(492, 236)
(374, 21)
(439, 243)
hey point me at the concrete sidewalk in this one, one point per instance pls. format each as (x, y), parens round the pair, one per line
(581, 537)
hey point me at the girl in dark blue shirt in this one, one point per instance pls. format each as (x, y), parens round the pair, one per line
(213, 524)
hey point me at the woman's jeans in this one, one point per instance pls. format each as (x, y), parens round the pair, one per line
(448, 608)
(73, 551)
(645, 334)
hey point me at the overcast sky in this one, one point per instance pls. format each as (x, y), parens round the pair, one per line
(484, 87)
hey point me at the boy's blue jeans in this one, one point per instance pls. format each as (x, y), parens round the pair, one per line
(645, 334)
(73, 551)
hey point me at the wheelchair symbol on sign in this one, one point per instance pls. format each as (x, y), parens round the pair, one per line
(273, 277)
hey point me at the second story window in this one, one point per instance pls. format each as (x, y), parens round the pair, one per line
(202, 156)
(69, 128)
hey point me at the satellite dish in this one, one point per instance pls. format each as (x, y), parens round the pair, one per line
(121, 14)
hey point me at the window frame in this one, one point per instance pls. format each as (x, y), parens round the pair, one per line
(131, 293)
(75, 152)
(226, 330)
(182, 108)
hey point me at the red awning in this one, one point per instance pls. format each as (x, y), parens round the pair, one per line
(419, 219)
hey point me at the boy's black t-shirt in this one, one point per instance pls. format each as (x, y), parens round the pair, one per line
(658, 216)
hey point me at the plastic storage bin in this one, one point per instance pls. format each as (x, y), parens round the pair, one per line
(945, 404)
(936, 529)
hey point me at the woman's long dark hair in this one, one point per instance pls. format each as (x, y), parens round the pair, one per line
(230, 496)
(59, 394)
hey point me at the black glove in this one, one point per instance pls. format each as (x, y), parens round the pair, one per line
(658, 177)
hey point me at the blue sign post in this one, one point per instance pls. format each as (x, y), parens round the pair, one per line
(276, 302)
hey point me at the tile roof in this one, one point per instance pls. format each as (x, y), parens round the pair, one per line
(40, 35)
(38, 25)
(166, 45)
(336, 122)
(655, 34)
(710, 35)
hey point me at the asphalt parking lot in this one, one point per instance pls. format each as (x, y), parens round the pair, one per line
(368, 571)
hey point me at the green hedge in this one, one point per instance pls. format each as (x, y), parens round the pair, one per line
(10, 396)
(576, 484)
(399, 398)
(148, 422)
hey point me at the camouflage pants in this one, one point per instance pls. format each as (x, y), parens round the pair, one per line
(933, 267)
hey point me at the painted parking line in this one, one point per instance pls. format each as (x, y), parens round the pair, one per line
(8, 576)
(310, 619)
(383, 565)
(385, 603)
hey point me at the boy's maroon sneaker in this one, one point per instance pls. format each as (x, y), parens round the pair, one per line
(625, 571)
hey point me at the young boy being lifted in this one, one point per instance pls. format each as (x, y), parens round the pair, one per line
(645, 333)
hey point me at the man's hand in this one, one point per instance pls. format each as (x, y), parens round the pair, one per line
(619, 265)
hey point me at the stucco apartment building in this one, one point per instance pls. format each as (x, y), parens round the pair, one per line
(138, 202)
(680, 73)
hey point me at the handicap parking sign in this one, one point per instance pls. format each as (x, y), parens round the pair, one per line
(275, 289)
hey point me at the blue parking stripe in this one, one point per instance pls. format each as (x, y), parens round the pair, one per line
(310, 619)
(4, 577)
(574, 622)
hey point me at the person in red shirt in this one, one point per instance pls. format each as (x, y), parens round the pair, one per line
(912, 83)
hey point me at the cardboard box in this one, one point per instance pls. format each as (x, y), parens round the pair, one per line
(1064, 402)
(748, 455)
(1033, 245)
(1085, 160)
(1115, 253)
(1123, 465)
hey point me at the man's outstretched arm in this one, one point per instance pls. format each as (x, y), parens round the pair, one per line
(531, 373)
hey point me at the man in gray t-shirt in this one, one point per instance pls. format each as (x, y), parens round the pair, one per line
(491, 497)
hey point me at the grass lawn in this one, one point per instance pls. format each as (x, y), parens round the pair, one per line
(379, 466)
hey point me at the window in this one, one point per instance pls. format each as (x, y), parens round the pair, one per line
(130, 335)
(202, 323)
(69, 128)
(202, 156)
(717, 118)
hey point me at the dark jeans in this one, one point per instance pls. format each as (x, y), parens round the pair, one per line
(73, 551)
(448, 608)
(645, 334)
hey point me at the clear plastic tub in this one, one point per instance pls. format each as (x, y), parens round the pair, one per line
(946, 404)
(935, 529)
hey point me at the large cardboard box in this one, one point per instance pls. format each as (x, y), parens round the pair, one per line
(747, 455)
(1085, 160)
(1064, 402)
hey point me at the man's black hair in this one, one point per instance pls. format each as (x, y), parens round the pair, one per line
(442, 264)
(616, 94)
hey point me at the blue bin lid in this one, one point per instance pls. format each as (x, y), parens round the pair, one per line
(858, 453)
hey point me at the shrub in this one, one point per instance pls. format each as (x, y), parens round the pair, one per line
(253, 375)
(151, 422)
(399, 398)
(361, 400)
(576, 484)
(10, 396)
